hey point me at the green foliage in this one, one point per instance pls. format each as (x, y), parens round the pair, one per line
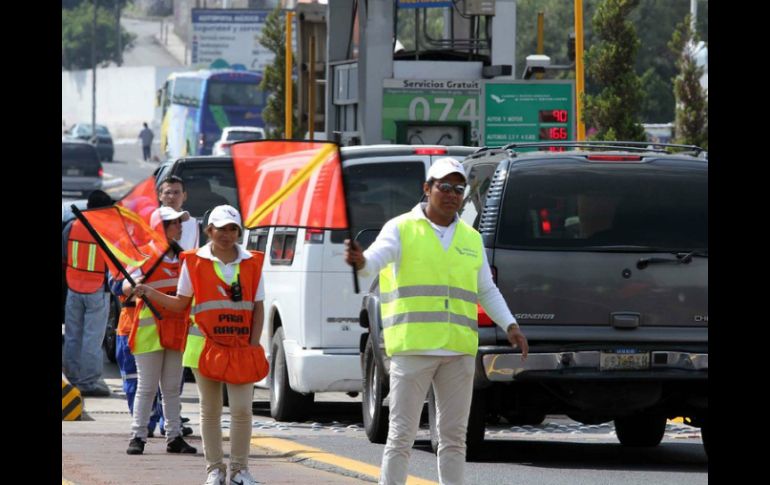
(613, 111)
(691, 123)
(273, 38)
(77, 35)
(654, 20)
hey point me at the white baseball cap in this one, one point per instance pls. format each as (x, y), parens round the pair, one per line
(166, 213)
(223, 215)
(443, 167)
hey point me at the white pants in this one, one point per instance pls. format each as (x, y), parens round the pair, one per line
(164, 367)
(410, 378)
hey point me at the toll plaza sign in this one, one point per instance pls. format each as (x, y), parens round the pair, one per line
(429, 100)
(229, 38)
(527, 111)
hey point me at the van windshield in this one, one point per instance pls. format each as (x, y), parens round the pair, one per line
(378, 192)
(648, 208)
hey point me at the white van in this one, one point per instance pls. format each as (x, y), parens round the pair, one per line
(311, 333)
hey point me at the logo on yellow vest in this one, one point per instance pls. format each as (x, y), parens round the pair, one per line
(468, 252)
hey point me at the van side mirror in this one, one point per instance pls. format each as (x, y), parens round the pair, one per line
(366, 237)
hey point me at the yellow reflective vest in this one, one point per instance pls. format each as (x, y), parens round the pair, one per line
(431, 303)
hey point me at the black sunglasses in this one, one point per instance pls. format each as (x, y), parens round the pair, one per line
(446, 187)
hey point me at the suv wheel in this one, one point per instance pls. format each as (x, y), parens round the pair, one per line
(375, 414)
(474, 437)
(285, 403)
(640, 430)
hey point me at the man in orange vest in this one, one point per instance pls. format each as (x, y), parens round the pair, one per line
(87, 307)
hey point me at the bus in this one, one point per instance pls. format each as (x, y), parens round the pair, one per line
(197, 105)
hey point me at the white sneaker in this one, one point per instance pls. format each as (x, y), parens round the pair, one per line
(216, 477)
(243, 477)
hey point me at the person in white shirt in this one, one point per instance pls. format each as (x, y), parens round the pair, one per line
(172, 193)
(432, 347)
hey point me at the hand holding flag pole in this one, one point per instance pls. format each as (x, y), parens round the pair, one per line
(112, 257)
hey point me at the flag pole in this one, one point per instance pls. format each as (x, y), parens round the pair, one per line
(111, 256)
(347, 216)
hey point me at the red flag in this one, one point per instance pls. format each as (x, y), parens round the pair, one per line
(290, 183)
(127, 236)
(142, 199)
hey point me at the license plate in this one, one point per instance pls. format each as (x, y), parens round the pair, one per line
(73, 171)
(624, 361)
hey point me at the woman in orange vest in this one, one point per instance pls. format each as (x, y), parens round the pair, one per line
(157, 344)
(223, 282)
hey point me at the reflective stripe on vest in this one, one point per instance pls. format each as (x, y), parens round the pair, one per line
(147, 337)
(432, 302)
(194, 347)
(85, 267)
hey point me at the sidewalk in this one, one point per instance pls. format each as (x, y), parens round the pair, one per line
(172, 42)
(94, 449)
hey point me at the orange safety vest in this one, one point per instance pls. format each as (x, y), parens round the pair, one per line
(172, 327)
(227, 355)
(86, 270)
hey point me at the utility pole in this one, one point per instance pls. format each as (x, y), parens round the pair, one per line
(93, 77)
(579, 71)
(693, 14)
(119, 56)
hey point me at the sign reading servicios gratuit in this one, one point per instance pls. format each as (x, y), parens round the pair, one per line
(527, 111)
(429, 100)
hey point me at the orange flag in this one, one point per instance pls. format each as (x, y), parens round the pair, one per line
(142, 199)
(290, 183)
(127, 236)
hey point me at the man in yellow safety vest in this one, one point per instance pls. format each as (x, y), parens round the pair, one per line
(433, 271)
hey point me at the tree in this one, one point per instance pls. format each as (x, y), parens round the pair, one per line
(76, 35)
(273, 38)
(613, 112)
(691, 125)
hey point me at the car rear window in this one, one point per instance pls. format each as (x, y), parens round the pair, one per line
(79, 157)
(207, 186)
(594, 208)
(377, 192)
(244, 135)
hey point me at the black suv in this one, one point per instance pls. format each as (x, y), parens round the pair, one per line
(602, 255)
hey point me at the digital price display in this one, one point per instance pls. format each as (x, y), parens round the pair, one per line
(553, 116)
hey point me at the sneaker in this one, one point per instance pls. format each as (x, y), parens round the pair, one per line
(150, 433)
(179, 445)
(185, 420)
(243, 477)
(95, 392)
(135, 446)
(186, 431)
(215, 477)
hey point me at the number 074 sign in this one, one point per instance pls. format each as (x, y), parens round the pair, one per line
(429, 100)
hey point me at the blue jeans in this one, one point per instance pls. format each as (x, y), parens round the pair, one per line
(85, 322)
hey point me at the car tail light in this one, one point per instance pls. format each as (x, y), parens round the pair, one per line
(100, 172)
(314, 236)
(430, 151)
(614, 158)
(484, 320)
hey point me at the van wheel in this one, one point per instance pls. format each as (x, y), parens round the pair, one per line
(640, 430)
(474, 437)
(285, 403)
(375, 414)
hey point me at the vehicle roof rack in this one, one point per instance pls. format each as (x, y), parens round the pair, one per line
(637, 146)
(483, 150)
